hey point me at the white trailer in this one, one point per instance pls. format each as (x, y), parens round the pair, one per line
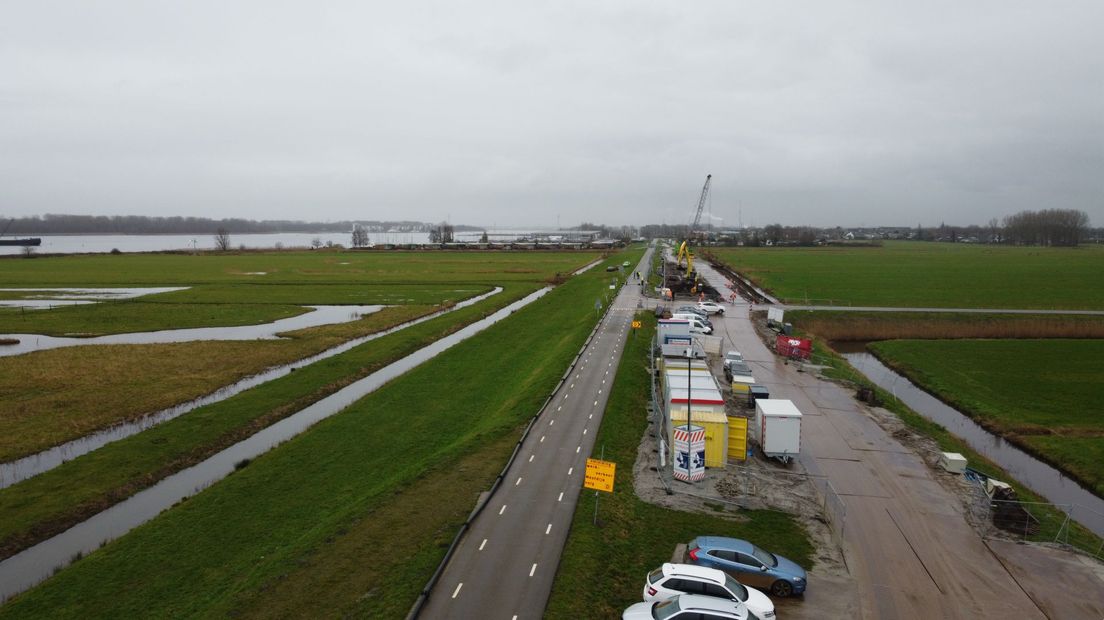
(778, 426)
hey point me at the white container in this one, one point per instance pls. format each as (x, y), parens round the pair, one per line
(953, 462)
(778, 426)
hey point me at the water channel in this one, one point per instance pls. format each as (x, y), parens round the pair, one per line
(37, 563)
(32, 465)
(1082, 505)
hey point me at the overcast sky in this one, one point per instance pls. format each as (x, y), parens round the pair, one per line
(822, 113)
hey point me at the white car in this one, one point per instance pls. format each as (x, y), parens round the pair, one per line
(688, 607)
(732, 357)
(711, 307)
(697, 326)
(670, 580)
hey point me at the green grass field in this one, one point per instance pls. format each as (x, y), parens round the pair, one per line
(58, 395)
(918, 274)
(307, 502)
(602, 570)
(1042, 394)
(254, 287)
(55, 500)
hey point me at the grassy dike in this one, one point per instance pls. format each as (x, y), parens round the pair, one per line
(602, 570)
(306, 502)
(49, 503)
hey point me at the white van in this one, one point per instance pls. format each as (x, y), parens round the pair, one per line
(696, 324)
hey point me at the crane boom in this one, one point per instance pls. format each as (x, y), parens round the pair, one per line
(701, 203)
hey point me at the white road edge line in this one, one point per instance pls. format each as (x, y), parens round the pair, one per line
(548, 529)
(533, 570)
(503, 509)
(560, 499)
(518, 481)
(457, 590)
(483, 544)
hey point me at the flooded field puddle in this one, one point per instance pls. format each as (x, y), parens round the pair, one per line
(1037, 475)
(41, 298)
(37, 563)
(29, 466)
(319, 315)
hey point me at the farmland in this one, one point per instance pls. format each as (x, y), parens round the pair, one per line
(1042, 394)
(289, 518)
(241, 289)
(54, 396)
(919, 275)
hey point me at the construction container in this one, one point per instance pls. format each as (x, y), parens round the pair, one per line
(741, 384)
(737, 438)
(757, 392)
(715, 425)
(778, 428)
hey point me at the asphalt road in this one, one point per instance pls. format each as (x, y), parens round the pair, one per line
(507, 561)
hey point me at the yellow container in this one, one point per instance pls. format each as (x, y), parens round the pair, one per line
(716, 434)
(737, 439)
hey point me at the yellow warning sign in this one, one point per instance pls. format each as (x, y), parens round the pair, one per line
(636, 324)
(599, 475)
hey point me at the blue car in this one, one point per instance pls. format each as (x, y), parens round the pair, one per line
(749, 564)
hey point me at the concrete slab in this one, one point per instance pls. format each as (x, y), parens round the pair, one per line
(852, 478)
(826, 597)
(1063, 584)
(862, 433)
(830, 443)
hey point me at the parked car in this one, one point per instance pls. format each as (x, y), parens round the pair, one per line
(670, 580)
(739, 369)
(697, 325)
(711, 307)
(694, 310)
(749, 564)
(625, 264)
(688, 607)
(611, 267)
(732, 357)
(699, 316)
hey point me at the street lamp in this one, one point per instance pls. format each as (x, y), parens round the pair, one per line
(689, 405)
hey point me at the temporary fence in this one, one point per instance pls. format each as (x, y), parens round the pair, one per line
(833, 508)
(1041, 522)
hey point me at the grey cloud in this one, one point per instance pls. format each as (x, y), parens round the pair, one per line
(486, 112)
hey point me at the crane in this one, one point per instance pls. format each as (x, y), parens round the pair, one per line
(701, 204)
(684, 249)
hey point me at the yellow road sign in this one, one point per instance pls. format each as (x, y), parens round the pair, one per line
(599, 475)
(636, 324)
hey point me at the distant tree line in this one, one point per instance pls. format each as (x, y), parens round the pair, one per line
(1062, 227)
(53, 224)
